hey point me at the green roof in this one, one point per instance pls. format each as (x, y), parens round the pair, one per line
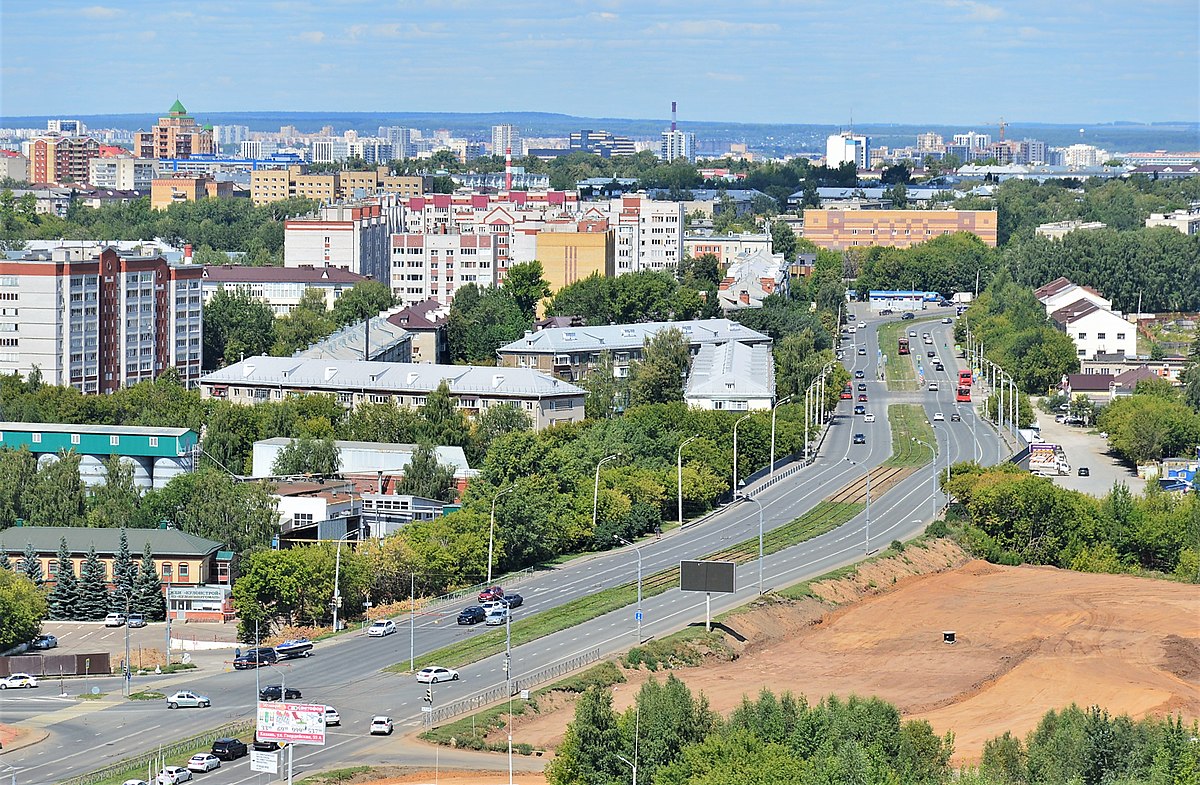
(177, 108)
(163, 542)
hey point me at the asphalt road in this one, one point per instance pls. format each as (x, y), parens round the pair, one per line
(347, 673)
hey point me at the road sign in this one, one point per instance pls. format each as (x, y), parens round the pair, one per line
(426, 709)
(707, 576)
(637, 616)
(298, 723)
(264, 761)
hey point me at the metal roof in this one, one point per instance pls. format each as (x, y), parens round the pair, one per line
(732, 369)
(46, 539)
(610, 337)
(103, 430)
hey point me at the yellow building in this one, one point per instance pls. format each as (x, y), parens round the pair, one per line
(272, 185)
(837, 230)
(177, 135)
(572, 252)
(165, 191)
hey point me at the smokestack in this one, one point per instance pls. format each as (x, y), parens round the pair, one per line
(187, 254)
(672, 115)
(367, 339)
(507, 168)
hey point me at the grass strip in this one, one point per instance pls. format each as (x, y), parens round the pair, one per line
(900, 373)
(908, 421)
(336, 775)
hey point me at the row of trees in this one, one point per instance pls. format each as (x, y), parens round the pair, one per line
(22, 608)
(1153, 423)
(1013, 517)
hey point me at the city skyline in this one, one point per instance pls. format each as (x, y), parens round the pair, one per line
(1070, 63)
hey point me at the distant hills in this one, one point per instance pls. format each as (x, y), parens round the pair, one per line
(711, 137)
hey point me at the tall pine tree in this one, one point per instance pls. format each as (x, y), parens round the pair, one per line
(63, 602)
(124, 574)
(31, 565)
(93, 588)
(4, 562)
(147, 590)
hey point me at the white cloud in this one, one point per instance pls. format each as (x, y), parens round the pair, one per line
(311, 36)
(100, 12)
(603, 16)
(981, 12)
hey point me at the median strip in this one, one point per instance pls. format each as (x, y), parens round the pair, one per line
(908, 421)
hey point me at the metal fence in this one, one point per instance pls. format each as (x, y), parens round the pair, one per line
(493, 694)
(509, 580)
(139, 763)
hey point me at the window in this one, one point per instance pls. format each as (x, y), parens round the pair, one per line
(183, 569)
(74, 438)
(1120, 336)
(37, 438)
(1100, 336)
(166, 569)
(1082, 336)
(153, 441)
(113, 441)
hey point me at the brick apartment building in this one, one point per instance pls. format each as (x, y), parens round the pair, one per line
(61, 159)
(837, 230)
(177, 135)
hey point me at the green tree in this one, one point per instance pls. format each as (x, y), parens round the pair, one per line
(366, 300)
(22, 609)
(124, 575)
(527, 285)
(94, 600)
(480, 322)
(381, 422)
(5, 563)
(148, 597)
(607, 394)
(659, 376)
(783, 240)
(589, 750)
(425, 477)
(1004, 760)
(18, 473)
(495, 422)
(57, 498)
(667, 718)
(114, 502)
(236, 325)
(63, 600)
(444, 424)
(209, 503)
(31, 566)
(307, 456)
(308, 323)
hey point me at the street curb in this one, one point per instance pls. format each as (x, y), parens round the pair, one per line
(31, 737)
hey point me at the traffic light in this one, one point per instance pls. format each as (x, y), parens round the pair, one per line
(428, 695)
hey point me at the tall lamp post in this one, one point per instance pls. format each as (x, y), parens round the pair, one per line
(679, 475)
(933, 462)
(596, 487)
(637, 551)
(773, 408)
(337, 572)
(735, 451)
(867, 544)
(492, 530)
(760, 539)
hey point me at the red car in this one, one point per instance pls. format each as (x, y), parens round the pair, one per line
(862, 397)
(494, 593)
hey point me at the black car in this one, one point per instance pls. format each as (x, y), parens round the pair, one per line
(907, 317)
(276, 692)
(472, 615)
(860, 409)
(1084, 472)
(265, 746)
(862, 385)
(939, 367)
(860, 438)
(956, 417)
(859, 374)
(255, 658)
(931, 353)
(229, 749)
(514, 600)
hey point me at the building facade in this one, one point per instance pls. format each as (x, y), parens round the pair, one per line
(426, 323)
(504, 138)
(155, 455)
(677, 144)
(166, 191)
(435, 266)
(282, 288)
(573, 251)
(123, 173)
(837, 230)
(353, 235)
(732, 376)
(726, 247)
(649, 233)
(272, 185)
(61, 159)
(1096, 330)
(850, 148)
(177, 135)
(98, 320)
(1185, 221)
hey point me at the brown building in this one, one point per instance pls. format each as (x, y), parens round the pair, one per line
(272, 185)
(427, 322)
(165, 191)
(61, 159)
(571, 252)
(177, 135)
(837, 230)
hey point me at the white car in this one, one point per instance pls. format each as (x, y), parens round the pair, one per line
(868, 418)
(135, 782)
(380, 628)
(203, 761)
(933, 387)
(188, 699)
(861, 325)
(18, 680)
(381, 726)
(114, 620)
(939, 417)
(434, 674)
(332, 717)
(173, 775)
(496, 617)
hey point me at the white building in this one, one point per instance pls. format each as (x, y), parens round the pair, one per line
(726, 247)
(752, 277)
(373, 150)
(230, 134)
(124, 173)
(1082, 155)
(505, 137)
(282, 288)
(1061, 292)
(1186, 221)
(973, 140)
(98, 320)
(1096, 330)
(649, 233)
(1059, 229)
(401, 140)
(677, 144)
(732, 376)
(257, 149)
(328, 151)
(354, 235)
(435, 266)
(847, 147)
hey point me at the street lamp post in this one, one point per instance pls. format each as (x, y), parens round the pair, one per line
(596, 487)
(760, 539)
(773, 409)
(735, 451)
(679, 474)
(508, 684)
(867, 544)
(637, 551)
(933, 463)
(337, 571)
(492, 530)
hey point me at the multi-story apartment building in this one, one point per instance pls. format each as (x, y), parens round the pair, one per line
(121, 173)
(930, 142)
(547, 400)
(353, 235)
(837, 230)
(677, 144)
(282, 288)
(570, 251)
(601, 143)
(97, 320)
(272, 185)
(505, 137)
(973, 140)
(61, 159)
(177, 135)
(1186, 221)
(69, 127)
(726, 247)
(401, 140)
(848, 147)
(649, 232)
(14, 165)
(328, 151)
(372, 150)
(435, 266)
(230, 134)
(166, 191)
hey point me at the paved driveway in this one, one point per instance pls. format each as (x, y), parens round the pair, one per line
(1085, 447)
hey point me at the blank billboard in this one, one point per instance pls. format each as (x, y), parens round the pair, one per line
(707, 576)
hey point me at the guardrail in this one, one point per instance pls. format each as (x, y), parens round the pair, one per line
(140, 762)
(493, 694)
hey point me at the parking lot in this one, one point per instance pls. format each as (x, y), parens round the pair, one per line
(94, 637)
(1085, 447)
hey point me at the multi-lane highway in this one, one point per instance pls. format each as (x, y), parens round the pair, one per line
(347, 673)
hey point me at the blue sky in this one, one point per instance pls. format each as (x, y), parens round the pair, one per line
(802, 61)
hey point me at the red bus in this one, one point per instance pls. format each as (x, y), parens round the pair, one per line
(963, 395)
(964, 378)
(903, 346)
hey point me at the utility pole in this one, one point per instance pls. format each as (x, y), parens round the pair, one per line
(412, 622)
(679, 473)
(735, 457)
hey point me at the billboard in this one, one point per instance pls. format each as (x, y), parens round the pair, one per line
(294, 723)
(707, 576)
(264, 761)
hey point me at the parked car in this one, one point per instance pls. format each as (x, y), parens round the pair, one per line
(265, 746)
(173, 775)
(381, 726)
(860, 409)
(907, 317)
(497, 616)
(435, 674)
(227, 748)
(44, 642)
(275, 692)
(868, 418)
(1084, 471)
(186, 698)
(136, 620)
(955, 417)
(203, 762)
(859, 374)
(18, 681)
(381, 627)
(255, 658)
(472, 615)
(114, 620)
(332, 717)
(491, 593)
(939, 417)
(860, 438)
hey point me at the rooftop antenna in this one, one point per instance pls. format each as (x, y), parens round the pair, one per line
(673, 124)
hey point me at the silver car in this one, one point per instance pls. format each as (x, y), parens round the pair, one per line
(188, 699)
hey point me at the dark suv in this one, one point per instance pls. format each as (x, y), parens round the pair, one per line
(276, 692)
(255, 658)
(229, 749)
(472, 615)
